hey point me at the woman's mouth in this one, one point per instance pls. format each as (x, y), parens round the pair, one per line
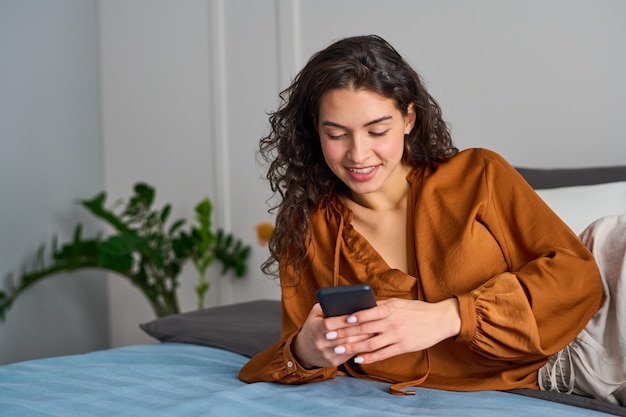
(362, 174)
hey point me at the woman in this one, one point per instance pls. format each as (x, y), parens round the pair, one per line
(477, 281)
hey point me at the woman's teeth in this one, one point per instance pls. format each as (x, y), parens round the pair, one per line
(362, 170)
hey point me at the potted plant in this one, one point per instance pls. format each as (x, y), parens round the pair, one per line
(142, 248)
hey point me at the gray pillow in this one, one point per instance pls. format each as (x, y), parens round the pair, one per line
(245, 328)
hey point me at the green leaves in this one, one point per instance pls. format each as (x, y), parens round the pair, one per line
(96, 207)
(141, 249)
(207, 247)
(232, 253)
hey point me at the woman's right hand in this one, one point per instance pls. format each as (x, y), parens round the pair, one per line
(316, 343)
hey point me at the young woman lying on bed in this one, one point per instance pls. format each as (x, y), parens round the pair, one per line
(478, 282)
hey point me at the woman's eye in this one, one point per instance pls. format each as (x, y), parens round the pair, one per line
(334, 135)
(382, 133)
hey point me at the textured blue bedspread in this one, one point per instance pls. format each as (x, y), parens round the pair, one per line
(173, 379)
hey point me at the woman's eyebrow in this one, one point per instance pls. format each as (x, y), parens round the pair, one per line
(373, 122)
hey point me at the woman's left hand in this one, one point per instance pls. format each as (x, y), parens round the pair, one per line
(400, 326)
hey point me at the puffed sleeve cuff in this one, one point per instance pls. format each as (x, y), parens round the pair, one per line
(294, 369)
(278, 364)
(467, 310)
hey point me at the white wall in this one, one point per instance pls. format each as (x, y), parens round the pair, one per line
(186, 85)
(49, 157)
(539, 81)
(174, 116)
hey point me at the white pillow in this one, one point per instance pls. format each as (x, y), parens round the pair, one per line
(579, 206)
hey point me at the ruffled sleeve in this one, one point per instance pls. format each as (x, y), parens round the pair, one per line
(552, 287)
(278, 363)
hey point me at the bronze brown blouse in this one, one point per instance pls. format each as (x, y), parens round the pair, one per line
(525, 283)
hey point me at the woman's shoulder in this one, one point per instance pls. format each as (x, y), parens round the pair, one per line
(471, 165)
(473, 160)
(473, 156)
(329, 210)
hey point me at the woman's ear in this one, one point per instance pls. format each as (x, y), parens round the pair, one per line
(409, 119)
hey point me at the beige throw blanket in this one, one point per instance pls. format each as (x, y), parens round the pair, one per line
(598, 354)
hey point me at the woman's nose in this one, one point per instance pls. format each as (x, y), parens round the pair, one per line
(358, 149)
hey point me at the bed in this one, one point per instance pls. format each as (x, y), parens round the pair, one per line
(192, 369)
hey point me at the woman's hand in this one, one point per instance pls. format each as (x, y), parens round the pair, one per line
(402, 326)
(318, 344)
(392, 328)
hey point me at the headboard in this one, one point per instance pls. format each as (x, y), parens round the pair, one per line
(567, 177)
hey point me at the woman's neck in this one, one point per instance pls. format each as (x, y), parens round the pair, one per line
(390, 197)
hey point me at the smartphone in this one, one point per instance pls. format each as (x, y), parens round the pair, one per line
(345, 299)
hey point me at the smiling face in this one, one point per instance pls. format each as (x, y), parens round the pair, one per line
(362, 139)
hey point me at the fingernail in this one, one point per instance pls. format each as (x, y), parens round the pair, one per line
(331, 335)
(339, 350)
(358, 359)
(351, 319)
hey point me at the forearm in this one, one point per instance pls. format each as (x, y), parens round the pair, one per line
(451, 317)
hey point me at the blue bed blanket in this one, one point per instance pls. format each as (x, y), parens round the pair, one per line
(178, 379)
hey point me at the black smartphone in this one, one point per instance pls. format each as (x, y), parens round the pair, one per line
(345, 299)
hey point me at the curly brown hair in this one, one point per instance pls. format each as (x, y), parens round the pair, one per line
(297, 173)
